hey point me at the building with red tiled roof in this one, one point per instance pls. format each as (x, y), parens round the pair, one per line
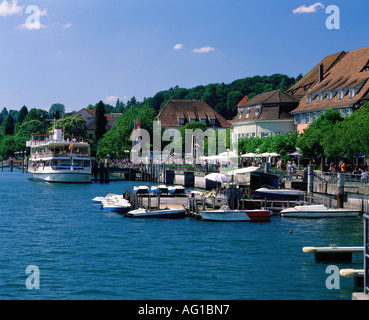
(89, 116)
(339, 81)
(264, 115)
(177, 113)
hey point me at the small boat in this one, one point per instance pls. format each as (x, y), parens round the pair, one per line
(317, 211)
(285, 194)
(176, 190)
(110, 196)
(226, 214)
(159, 189)
(117, 205)
(162, 213)
(141, 189)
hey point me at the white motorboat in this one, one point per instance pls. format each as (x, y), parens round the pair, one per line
(161, 213)
(117, 205)
(141, 189)
(225, 214)
(285, 194)
(317, 211)
(109, 196)
(177, 190)
(57, 159)
(159, 189)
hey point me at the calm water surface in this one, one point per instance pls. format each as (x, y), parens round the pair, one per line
(83, 252)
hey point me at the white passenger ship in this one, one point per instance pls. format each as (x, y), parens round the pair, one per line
(55, 159)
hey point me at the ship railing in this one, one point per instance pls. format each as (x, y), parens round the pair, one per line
(35, 143)
(43, 155)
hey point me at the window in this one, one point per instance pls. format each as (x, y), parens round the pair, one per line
(257, 111)
(90, 136)
(203, 121)
(192, 120)
(352, 93)
(240, 113)
(340, 95)
(212, 122)
(307, 87)
(247, 113)
(181, 121)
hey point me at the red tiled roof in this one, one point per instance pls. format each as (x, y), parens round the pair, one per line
(190, 109)
(346, 73)
(272, 105)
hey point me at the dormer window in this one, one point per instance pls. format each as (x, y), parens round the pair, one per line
(181, 121)
(307, 87)
(340, 95)
(203, 121)
(212, 122)
(352, 93)
(330, 96)
(193, 120)
(247, 113)
(257, 111)
(240, 111)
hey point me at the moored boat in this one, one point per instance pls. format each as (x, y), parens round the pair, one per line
(53, 158)
(116, 205)
(141, 189)
(159, 189)
(225, 214)
(160, 213)
(177, 190)
(318, 211)
(285, 194)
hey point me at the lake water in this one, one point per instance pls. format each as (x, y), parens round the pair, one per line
(86, 253)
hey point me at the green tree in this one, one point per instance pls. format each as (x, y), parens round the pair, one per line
(73, 126)
(37, 114)
(22, 114)
(56, 111)
(100, 121)
(311, 142)
(7, 127)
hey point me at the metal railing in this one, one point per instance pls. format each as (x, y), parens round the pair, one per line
(351, 180)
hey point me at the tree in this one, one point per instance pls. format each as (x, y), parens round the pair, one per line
(56, 111)
(37, 114)
(3, 115)
(311, 142)
(7, 127)
(100, 121)
(73, 126)
(22, 114)
(118, 139)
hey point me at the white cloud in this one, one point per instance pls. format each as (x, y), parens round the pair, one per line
(64, 26)
(111, 99)
(7, 9)
(178, 47)
(32, 26)
(203, 50)
(310, 9)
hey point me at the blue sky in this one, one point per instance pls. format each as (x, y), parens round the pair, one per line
(90, 50)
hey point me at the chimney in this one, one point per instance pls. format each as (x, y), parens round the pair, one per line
(321, 72)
